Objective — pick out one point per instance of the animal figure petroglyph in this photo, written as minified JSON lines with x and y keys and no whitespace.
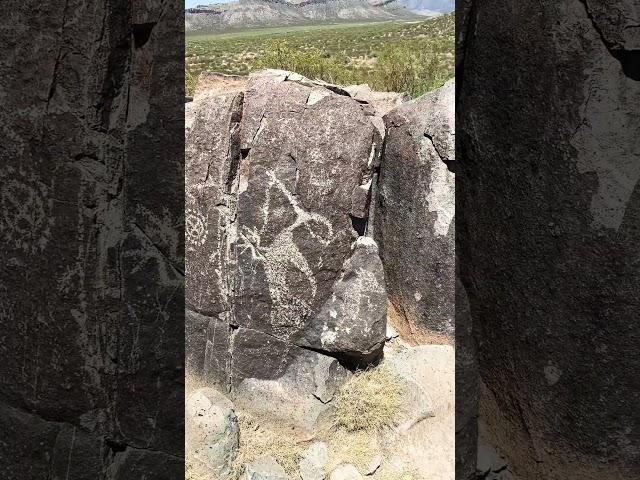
{"x":282,"y":253}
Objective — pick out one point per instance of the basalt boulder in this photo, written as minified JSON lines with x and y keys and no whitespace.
{"x":279,"y":180}
{"x":416,"y":204}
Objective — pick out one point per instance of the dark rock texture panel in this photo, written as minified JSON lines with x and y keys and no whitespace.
{"x":91,"y":188}
{"x":547,"y":222}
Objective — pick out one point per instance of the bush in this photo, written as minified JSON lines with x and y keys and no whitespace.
{"x":398,"y":68}
{"x":311,"y":63}
{"x":402,"y":68}
{"x":370,"y":400}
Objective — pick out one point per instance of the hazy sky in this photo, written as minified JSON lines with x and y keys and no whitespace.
{"x":194,"y":3}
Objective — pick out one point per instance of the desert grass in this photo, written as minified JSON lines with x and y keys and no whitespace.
{"x":257,"y":440}
{"x":368,"y":401}
{"x":357,"y":448}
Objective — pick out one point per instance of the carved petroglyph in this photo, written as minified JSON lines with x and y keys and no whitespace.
{"x":282,"y":254}
{"x":24,"y":223}
{"x":195,"y":229}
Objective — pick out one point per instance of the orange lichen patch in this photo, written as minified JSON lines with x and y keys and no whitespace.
{"x":409,"y":332}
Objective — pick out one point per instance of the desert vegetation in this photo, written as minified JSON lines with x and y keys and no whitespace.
{"x":412,"y":57}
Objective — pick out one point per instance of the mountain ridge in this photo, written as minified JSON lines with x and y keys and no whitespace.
{"x":280,"y":13}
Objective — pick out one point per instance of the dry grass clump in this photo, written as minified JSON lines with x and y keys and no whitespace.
{"x":257,"y":441}
{"x":357,"y":448}
{"x":370,"y":400}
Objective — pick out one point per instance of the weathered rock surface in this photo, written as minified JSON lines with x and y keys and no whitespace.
{"x":346,"y":472}
{"x":353,"y":319}
{"x":211,"y":431}
{"x":91,"y":284}
{"x":555,"y":301}
{"x":314,"y":461}
{"x":424,"y":442}
{"x":298,"y":396}
{"x":416,"y":204}
{"x":278,"y":183}
{"x":467,"y":389}
{"x":264,"y":468}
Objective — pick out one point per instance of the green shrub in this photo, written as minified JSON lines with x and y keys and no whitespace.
{"x":402,"y":68}
{"x":310,"y":62}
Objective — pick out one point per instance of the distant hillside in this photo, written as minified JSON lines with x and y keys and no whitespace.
{"x":429,"y":7}
{"x":274,"y":13}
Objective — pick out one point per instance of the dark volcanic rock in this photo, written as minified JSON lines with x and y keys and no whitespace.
{"x":308,"y":149}
{"x":91,"y":288}
{"x":277,"y":177}
{"x":353,"y":319}
{"x":548,"y":215}
{"x":212,"y":157}
{"x":414,"y":219}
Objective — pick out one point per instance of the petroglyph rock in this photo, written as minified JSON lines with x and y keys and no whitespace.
{"x":212,"y":156}
{"x":353,"y":319}
{"x":415,"y":215}
{"x":305,"y":150}
{"x":279,"y":179}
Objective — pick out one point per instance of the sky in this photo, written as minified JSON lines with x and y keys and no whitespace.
{"x":195,"y":3}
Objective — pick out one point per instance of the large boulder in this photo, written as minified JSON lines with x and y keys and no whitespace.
{"x":550,"y":199}
{"x":352,"y":320}
{"x":279,"y":180}
{"x":306,"y":150}
{"x":416,"y":204}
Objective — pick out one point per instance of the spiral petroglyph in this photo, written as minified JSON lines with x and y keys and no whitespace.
{"x":25,"y":222}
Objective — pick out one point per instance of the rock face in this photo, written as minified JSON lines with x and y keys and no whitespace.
{"x":211,"y":431}
{"x":314,"y":461}
{"x":352,"y":321}
{"x":278,"y":275}
{"x":91,"y":288}
{"x":416,"y":204}
{"x":554,"y":302}
{"x":466,"y":389}
{"x":264,"y":468}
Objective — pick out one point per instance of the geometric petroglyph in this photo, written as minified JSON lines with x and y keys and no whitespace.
{"x":282,"y":254}
{"x":195,"y":229}
{"x":24,"y":221}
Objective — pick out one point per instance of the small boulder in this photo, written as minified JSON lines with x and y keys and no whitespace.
{"x":264,"y":468}
{"x":211,"y":430}
{"x":346,"y":472}
{"x":352,"y":320}
{"x":314,"y":461}
{"x":309,"y":383}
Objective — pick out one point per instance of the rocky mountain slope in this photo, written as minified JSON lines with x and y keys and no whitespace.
{"x":429,"y":7}
{"x":266,"y":13}
{"x":297,"y":233}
